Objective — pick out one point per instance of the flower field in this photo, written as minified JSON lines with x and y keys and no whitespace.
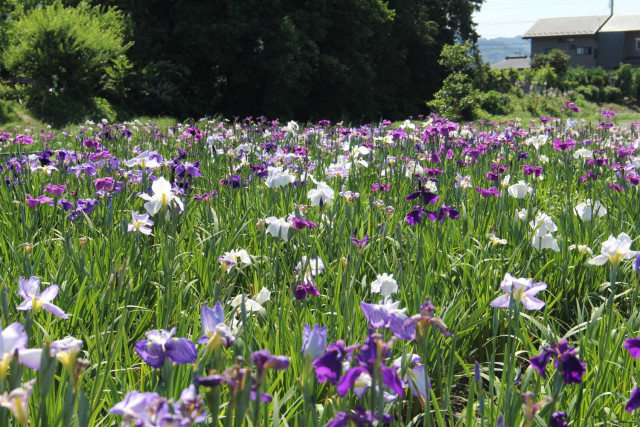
{"x":263,"y":273}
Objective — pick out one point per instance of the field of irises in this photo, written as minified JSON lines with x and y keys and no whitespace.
{"x":252,"y":272}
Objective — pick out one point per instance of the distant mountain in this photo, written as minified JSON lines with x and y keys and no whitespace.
{"x":494,"y":50}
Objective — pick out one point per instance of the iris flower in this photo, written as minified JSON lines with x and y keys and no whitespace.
{"x":34,"y":300}
{"x":614,"y":250}
{"x":17,"y":401}
{"x":13,"y":340}
{"x":163,"y":196}
{"x":215,"y":331}
{"x":566,"y":360}
{"x":385,"y":285}
{"x":314,"y":342}
{"x":140,"y":223}
{"x":522,"y":290}
{"x":161,"y":344}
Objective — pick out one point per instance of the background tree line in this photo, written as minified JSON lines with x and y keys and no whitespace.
{"x":335,"y":59}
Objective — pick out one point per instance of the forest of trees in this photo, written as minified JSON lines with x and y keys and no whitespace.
{"x":333,"y":59}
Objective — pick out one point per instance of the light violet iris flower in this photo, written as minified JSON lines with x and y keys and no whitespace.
{"x":34,"y":300}
{"x":13,"y":340}
{"x":162,"y":344}
{"x":140,"y":223}
{"x":522,"y":290}
{"x":614,"y":250}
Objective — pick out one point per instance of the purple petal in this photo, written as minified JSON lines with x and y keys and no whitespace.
{"x":30,"y":357}
{"x":633,"y":345}
{"x":390,"y":378}
{"x":540,"y":362}
{"x":634,"y":400}
{"x":211,"y":317}
{"x":401,"y":329}
{"x":375,"y":314}
{"x":349,"y":378}
{"x":501,"y":301}
{"x":55,"y":310}
{"x":181,"y":351}
{"x":151,"y":353}
{"x":49,"y":294}
{"x":26,"y":305}
{"x":532,"y":303}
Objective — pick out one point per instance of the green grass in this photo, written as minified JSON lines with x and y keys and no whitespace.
{"x":116,"y":285}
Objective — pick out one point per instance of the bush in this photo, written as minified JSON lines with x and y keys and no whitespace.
{"x":589,"y":92}
{"x":65,"y":53}
{"x":623,"y":79}
{"x":545,"y":76}
{"x":612,"y":94}
{"x":556,"y":59}
{"x":497,"y":103}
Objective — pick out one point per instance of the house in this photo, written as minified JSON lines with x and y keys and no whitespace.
{"x":517,"y":62}
{"x":620,"y":41}
{"x":590,"y":41}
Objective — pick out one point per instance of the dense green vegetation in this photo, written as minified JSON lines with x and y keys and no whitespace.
{"x":335,"y":59}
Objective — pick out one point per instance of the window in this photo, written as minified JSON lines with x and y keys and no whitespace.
{"x":566,"y":39}
{"x":583,"y":51}
{"x":637,"y":43}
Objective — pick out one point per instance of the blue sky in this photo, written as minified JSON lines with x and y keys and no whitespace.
{"x":510,"y":18}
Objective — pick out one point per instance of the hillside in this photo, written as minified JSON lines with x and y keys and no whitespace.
{"x":494,"y":50}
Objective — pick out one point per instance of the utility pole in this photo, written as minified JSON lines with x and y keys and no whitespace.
{"x":611,"y":6}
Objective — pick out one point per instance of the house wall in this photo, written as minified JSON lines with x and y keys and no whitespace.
{"x":541,"y":45}
{"x":629,"y":50}
{"x":610,"y":54}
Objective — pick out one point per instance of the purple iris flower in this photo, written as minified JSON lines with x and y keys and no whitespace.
{"x":566,"y":360}
{"x":205,"y":196}
{"x":360,"y":244}
{"x":558,"y":419}
{"x":56,"y":190}
{"x":493,"y":191}
{"x":140,"y":222}
{"x":441,"y":213}
{"x":188,"y":168}
{"x":314,"y":342}
{"x":413,"y":217}
{"x":328,"y":367}
{"x":215,"y":331}
{"x":34,"y":300}
{"x":425,"y":318}
{"x":360,"y":417}
{"x":633,"y":344}
{"x":33,"y":202}
{"x":161,"y":344}
{"x":264,"y":360}
{"x":386,"y":314}
{"x":370,"y":357}
{"x":425,"y":193}
{"x":104,"y":183}
{"x":634,"y":400}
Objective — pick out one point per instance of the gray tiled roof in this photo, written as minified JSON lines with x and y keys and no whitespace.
{"x":572,"y":26}
{"x":620,"y":23}
{"x":518,"y":63}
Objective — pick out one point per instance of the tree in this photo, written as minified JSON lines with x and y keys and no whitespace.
{"x":556,"y":58}
{"x":457,"y":99}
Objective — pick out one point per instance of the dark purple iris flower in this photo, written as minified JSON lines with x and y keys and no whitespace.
{"x":300,"y":224}
{"x":590,"y":175}
{"x":566,"y":360}
{"x":370,"y":357}
{"x":305,"y":289}
{"x":634,"y":400}
{"x":442,"y":213}
{"x":188,"y":168}
{"x":360,"y":244}
{"x":360,"y":417}
{"x":381,"y":187}
{"x":558,"y":419}
{"x":161,"y":345}
{"x":563,"y":145}
{"x":425,"y":193}
{"x":328,"y":367}
{"x":413,"y":217}
{"x":532,"y":170}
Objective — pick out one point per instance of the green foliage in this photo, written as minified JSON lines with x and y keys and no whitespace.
{"x":545,"y":76}
{"x":68,"y":56}
{"x":590,"y":92}
{"x":496,"y":103}
{"x":556,"y":58}
{"x":612,"y":94}
{"x":623,"y":79}
{"x":458,"y":98}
